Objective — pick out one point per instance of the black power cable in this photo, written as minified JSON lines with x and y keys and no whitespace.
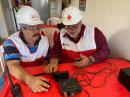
{"x":88,"y":81}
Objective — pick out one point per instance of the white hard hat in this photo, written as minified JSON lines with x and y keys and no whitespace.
{"x":71,"y":15}
{"x":28,"y":15}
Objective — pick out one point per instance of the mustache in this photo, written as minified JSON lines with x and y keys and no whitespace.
{"x":36,"y":35}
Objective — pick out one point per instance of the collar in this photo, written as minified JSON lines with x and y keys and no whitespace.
{"x":75,"y":40}
{"x":23,"y":39}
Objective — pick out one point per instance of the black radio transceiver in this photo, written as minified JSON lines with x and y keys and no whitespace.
{"x":15,"y":88}
{"x":60,"y":75}
{"x":70,"y":86}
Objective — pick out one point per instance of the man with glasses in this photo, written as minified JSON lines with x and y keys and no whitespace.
{"x":27,"y":47}
{"x":76,"y":42}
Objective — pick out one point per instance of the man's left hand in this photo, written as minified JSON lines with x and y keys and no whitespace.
{"x":83,"y":63}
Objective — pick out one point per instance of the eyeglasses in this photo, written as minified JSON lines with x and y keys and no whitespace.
{"x":32,"y":27}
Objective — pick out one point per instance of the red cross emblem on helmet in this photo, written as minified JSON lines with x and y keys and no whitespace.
{"x":69,"y":17}
{"x":34,"y":17}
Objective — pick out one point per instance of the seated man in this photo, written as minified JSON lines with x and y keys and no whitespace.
{"x":77,"y":40}
{"x":27,"y":48}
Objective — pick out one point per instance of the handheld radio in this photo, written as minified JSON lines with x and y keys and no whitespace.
{"x":15,"y":88}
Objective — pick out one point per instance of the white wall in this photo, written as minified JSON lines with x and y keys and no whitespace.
{"x":3,"y":29}
{"x":113,"y":18}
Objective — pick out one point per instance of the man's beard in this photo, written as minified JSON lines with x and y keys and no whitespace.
{"x":73,"y":34}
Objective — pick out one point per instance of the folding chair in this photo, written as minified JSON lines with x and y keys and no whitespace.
{"x":2,"y":66}
{"x":2,"y":57}
{"x":53,"y":21}
{"x":51,"y":32}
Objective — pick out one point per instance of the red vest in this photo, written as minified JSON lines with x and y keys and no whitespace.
{"x":86,"y":45}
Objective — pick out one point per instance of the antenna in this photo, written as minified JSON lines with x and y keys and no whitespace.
{"x":7,"y":70}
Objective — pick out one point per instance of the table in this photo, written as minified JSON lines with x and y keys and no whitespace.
{"x":111,"y":88}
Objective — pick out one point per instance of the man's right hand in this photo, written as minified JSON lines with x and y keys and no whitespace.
{"x":38,"y":84}
{"x":51,"y":68}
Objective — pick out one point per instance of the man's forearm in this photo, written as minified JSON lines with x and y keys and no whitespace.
{"x":18,"y":72}
{"x":101,"y":55}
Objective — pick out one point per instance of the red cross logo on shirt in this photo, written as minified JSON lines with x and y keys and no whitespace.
{"x":69,"y":17}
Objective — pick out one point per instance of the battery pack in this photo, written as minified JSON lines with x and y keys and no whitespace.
{"x":124,"y":77}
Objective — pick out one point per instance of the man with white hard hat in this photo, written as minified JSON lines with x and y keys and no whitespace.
{"x":78,"y":43}
{"x":27,"y":47}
